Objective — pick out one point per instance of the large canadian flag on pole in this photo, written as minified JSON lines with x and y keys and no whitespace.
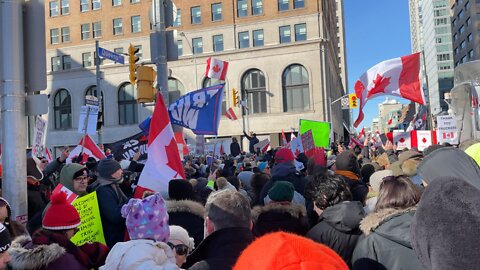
{"x":398,"y":77}
{"x":216,"y":69}
{"x":90,"y":149}
{"x":163,"y":163}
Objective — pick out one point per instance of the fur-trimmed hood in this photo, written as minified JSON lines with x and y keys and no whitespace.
{"x":35,"y":258}
{"x":185,"y":206}
{"x":293,"y":209}
{"x":390,"y":223}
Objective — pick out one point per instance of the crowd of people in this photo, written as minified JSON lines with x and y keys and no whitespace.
{"x":369,"y":207}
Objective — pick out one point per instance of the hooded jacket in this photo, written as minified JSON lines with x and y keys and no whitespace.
{"x":386,"y":244}
{"x":285,"y":171}
{"x":338,"y":228}
{"x":188,"y":215}
{"x":349,"y":170}
{"x":140,"y":254}
{"x":448,"y":162}
{"x":66,"y":176}
{"x":279,"y":217}
{"x":445,"y":228}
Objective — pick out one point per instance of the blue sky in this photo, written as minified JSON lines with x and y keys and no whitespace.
{"x":375,"y":31}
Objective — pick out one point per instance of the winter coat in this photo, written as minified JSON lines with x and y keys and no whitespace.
{"x":113,"y":223}
{"x":279,"y":217}
{"x":386,"y":244}
{"x":36,"y":200}
{"x":141,"y":254}
{"x":235,"y":149}
{"x":220,"y":250}
{"x":338,"y":228}
{"x":188,"y":215}
{"x":284,"y":172}
{"x":251,"y":143}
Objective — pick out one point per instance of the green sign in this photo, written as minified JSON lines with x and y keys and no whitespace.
{"x":91,"y":228}
{"x":320,"y":131}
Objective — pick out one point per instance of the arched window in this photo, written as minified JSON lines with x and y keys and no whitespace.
{"x":127,"y":105}
{"x":175,"y":89}
{"x":296,"y":96}
{"x":92,"y":91}
{"x":62,"y":107}
{"x":254,"y":88}
{"x":209,"y":82}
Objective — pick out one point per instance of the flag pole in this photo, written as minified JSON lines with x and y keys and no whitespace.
{"x":427,"y":102}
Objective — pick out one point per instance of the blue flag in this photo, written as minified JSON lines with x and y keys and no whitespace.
{"x":145,"y":125}
{"x":199,"y":110}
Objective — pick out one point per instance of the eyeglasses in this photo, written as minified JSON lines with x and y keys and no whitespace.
{"x":81,"y":179}
{"x":180,"y":249}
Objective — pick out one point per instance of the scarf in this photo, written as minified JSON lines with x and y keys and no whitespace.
{"x":114,"y":183}
{"x":348,"y":174}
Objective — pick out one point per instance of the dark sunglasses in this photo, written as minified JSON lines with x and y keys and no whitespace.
{"x":180,"y":249}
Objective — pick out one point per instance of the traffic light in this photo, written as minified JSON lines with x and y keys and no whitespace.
{"x":235,"y":98}
{"x":353,"y":101}
{"x":132,"y":59}
{"x":145,"y":78}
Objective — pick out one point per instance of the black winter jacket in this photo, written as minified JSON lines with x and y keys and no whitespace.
{"x":188,"y":215}
{"x":338,"y":228}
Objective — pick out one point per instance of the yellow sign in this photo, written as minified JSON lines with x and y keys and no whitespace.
{"x":91,"y":228}
{"x":353,"y":101}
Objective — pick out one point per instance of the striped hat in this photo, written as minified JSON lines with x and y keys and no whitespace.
{"x":60,"y":215}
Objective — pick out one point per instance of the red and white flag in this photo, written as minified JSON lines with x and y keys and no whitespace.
{"x":421,"y":139}
{"x":163,"y":163}
{"x":284,"y":139}
{"x":70,"y":195}
{"x":361,"y":135}
{"x":216,"y":69}
{"x":230,"y":114}
{"x":296,"y":146}
{"x":398,"y":77}
{"x":48,"y":155}
{"x":402,"y":139}
{"x":90,"y":149}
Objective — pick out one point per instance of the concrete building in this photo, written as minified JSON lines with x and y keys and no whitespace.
{"x":286,"y":58}
{"x":431,"y":32}
{"x":375,"y":124}
{"x":386,"y":110}
{"x":465,"y":31}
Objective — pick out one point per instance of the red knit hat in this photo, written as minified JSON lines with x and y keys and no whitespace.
{"x":280,"y":250}
{"x":284,"y":155}
{"x":60,"y":215}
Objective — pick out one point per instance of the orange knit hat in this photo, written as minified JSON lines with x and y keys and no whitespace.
{"x":285,"y":251}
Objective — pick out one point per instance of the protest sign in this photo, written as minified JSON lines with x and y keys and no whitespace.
{"x":88,"y":120}
{"x":320,"y":131}
{"x":447,"y":129}
{"x":91,"y":228}
{"x":296,"y":146}
{"x":307,"y":141}
{"x":39,"y":136}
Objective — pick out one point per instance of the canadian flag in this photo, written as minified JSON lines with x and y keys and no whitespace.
{"x":216,"y":69}
{"x":361,"y":135}
{"x":230,"y":114}
{"x":390,"y":121}
{"x":402,"y":139}
{"x":421,"y":139}
{"x":284,"y":139}
{"x":398,"y":77}
{"x":296,"y":146}
{"x":90,"y":149}
{"x":70,"y":195}
{"x":163,"y":163}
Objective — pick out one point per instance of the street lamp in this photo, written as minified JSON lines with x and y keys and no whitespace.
{"x":182,"y":34}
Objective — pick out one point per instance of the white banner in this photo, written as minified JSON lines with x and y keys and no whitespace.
{"x":447,"y":129}
{"x":402,"y":139}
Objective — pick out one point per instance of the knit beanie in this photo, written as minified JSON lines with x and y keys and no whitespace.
{"x":376,"y":179}
{"x":147,"y":218}
{"x":180,"y":234}
{"x":5,"y":239}
{"x":70,"y":172}
{"x":60,"y":215}
{"x":281,"y":191}
{"x":180,"y":189}
{"x":281,"y":250}
{"x":284,"y":155}
{"x":346,"y":161}
{"x":106,"y":167}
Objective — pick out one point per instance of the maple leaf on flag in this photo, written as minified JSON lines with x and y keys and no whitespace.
{"x":424,"y":140}
{"x":216,"y":69}
{"x":379,"y":85}
{"x":297,"y":152}
{"x":173,"y":162}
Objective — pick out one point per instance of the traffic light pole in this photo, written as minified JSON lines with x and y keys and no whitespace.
{"x":12,"y":95}
{"x":161,"y":55}
{"x":98,"y":88}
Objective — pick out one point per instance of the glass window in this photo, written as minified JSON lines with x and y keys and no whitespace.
{"x":296,"y":95}
{"x":56,"y":63}
{"x":210,"y":82}
{"x":180,"y":47}
{"x":175,"y":89}
{"x":463,"y":44}
{"x":242,"y":8}
{"x":178,"y":19}
{"x":298,"y":3}
{"x":97,"y":29}
{"x":218,"y":43}
{"x":469,"y":38}
{"x":54,"y":38}
{"x":127,"y":105}
{"x":254,"y":88}
{"x":116,"y":3}
{"x":117,"y":26}
{"x":196,"y":14}
{"x":53,"y":8}
{"x":87,"y":59}
{"x":136,"y":24}
{"x":65,"y":6}
{"x":257,"y":38}
{"x":62,"y":107}
{"x":257,"y":7}
{"x":118,"y":50}
{"x":468,"y":21}
{"x":217,"y":12}
{"x":139,"y":53}
{"x":134,"y":1}
{"x":462,"y":29}
{"x":460,"y":14}
{"x":92,"y":91}
{"x":283,"y":5}
{"x":197,"y":45}
{"x":96,"y":4}
{"x":470,"y":54}
{"x":67,"y":62}
{"x":66,"y":34}
{"x":300,"y":32}
{"x":285,"y":35}
{"x":243,"y":40}
{"x":85,"y":31}
{"x":84,"y":5}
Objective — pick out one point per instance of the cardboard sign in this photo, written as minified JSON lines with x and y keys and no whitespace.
{"x":307,"y":141}
{"x":91,"y":229}
{"x":447,"y":129}
{"x":88,"y":120}
{"x":320,"y":131}
{"x":39,"y":136}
